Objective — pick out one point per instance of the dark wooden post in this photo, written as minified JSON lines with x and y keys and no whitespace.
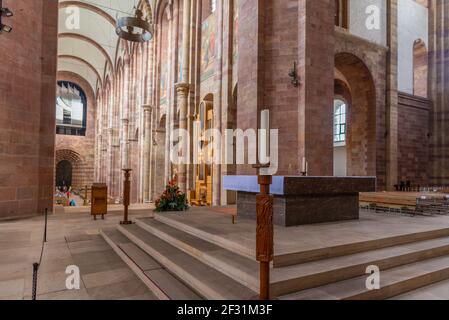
{"x":85,"y":197}
{"x":126,"y":195}
{"x":264,"y":234}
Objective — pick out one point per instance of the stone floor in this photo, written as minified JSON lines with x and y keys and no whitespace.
{"x":73,"y":239}
{"x":438,"y":291}
{"x":371,"y":226}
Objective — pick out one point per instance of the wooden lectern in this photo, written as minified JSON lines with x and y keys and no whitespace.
{"x":99,"y":202}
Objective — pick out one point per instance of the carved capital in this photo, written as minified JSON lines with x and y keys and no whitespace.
{"x":147,"y":108}
{"x":182,"y":88}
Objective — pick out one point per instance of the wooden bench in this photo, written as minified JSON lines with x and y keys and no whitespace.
{"x":410,"y":204}
{"x":394,"y":200}
{"x":232,"y":211}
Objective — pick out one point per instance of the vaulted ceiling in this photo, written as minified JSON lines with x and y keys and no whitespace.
{"x":90,"y":50}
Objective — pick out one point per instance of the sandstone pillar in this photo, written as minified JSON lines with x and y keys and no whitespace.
{"x":303,"y":114}
{"x":316,"y":91}
{"x":125,"y":144}
{"x":439,"y":90}
{"x":392,"y":94}
{"x":183,"y":89}
{"x":147,"y":111}
{"x":110,"y":172}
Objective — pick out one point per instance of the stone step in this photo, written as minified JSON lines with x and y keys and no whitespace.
{"x":218,"y":240}
{"x":163,"y":284}
{"x":207,"y":281}
{"x":356,"y":247}
{"x":295,"y":258}
{"x":235,"y":266}
{"x":393,"y":282}
{"x":308,"y":275}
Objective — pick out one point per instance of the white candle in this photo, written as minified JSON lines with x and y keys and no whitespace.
{"x":264,"y":137}
{"x":304,"y":165}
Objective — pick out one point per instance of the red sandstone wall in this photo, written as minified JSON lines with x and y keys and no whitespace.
{"x":371,"y":135}
{"x":83,"y":147}
{"x":27,"y":108}
{"x":439,"y":91}
{"x":413,"y":141}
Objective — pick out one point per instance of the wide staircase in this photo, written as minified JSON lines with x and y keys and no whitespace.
{"x":179,"y":262}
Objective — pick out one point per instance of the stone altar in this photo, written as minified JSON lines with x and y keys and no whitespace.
{"x":303,"y":200}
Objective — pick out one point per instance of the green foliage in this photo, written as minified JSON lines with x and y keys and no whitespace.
{"x":172,"y":199}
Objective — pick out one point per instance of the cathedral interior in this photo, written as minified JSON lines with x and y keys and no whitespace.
{"x":357,"y":92}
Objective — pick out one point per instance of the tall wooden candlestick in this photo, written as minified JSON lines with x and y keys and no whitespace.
{"x":126,"y":196}
{"x":264,"y":233}
{"x":264,"y":208}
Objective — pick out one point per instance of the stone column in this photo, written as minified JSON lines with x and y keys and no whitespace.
{"x":439,"y":91}
{"x":147,"y":111}
{"x":307,"y":29}
{"x":110,"y":173}
{"x":183,"y":89}
{"x":392,"y":95}
{"x":316,"y":91}
{"x":125,"y":144}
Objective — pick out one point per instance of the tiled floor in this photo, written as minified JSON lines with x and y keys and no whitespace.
{"x":73,"y":239}
{"x":438,"y":291}
{"x":371,"y":226}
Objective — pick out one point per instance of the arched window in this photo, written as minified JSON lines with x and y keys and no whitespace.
{"x":341,"y":13}
{"x":71,"y":108}
{"x":340,"y":111}
{"x":420,"y":68}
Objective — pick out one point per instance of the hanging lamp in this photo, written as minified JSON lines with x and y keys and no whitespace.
{"x":134,"y":29}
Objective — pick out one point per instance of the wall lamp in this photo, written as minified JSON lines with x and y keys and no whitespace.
{"x":5,"y":13}
{"x":293,"y":74}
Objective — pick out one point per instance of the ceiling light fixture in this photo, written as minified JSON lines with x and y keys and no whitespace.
{"x":134,"y":29}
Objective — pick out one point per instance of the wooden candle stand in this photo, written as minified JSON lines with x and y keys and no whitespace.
{"x":264,"y":232}
{"x":126,"y":196}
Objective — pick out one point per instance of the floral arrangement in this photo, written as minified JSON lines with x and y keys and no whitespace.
{"x":172,"y":199}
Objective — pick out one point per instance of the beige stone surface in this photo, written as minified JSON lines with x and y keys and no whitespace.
{"x":73,"y":239}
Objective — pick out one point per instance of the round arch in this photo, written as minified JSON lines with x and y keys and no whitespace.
{"x":420,"y":68}
{"x":358,"y":89}
{"x":76,"y":164}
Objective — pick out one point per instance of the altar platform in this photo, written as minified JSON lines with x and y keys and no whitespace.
{"x":216,"y":258}
{"x":306,"y":241}
{"x":303,"y":200}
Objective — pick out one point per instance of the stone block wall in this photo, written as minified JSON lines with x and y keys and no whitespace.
{"x":27,"y":108}
{"x":414,"y":139}
{"x":79,"y":150}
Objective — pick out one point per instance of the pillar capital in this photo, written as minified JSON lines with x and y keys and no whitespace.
{"x":182,"y":88}
{"x":147,"y":108}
